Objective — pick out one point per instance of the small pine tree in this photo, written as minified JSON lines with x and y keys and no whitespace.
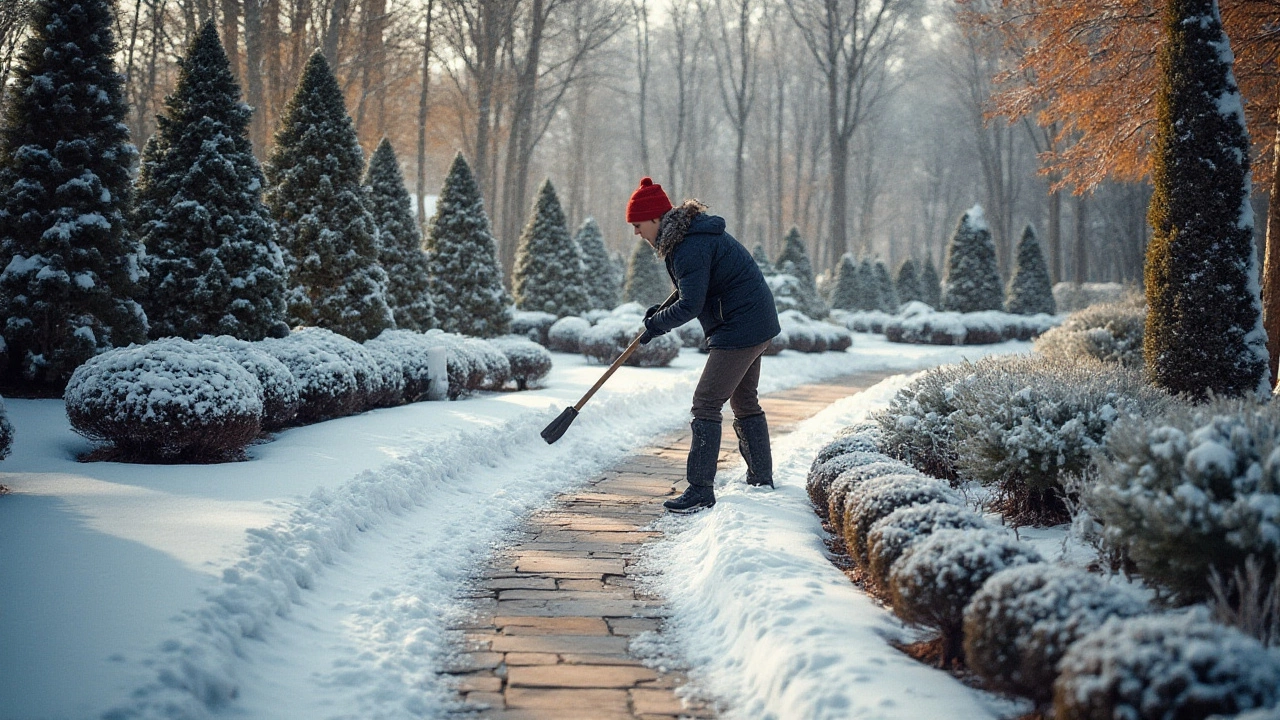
{"x":888,"y":291}
{"x":908,"y":282}
{"x":930,"y":285}
{"x":400,"y":242}
{"x":794,"y":260}
{"x":462,"y":259}
{"x":1204,"y":324}
{"x":844,"y":294}
{"x":973,"y":276}
{"x":601,"y":274}
{"x":762,"y":260}
{"x":70,"y":264}
{"x":1030,"y":291}
{"x":213,"y":264}
{"x":329,"y":236}
{"x":549,"y":274}
{"x":866,"y":295}
{"x":647,"y":281}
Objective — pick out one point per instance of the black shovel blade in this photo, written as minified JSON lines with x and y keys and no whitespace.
{"x":555,"y":430}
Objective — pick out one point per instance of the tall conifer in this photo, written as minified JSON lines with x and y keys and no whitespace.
{"x":888,"y":291}
{"x":213,"y":263}
{"x":549,"y":274}
{"x":844,"y":294}
{"x":866,"y":294}
{"x":602,"y":279}
{"x":400,"y":241}
{"x":328,"y":235}
{"x":647,"y":280}
{"x":69,"y":263}
{"x":1030,"y":290}
{"x":762,"y":260}
{"x":1204,"y":323}
{"x":973,"y":276}
{"x":908,"y":282}
{"x":930,"y":285}
{"x":794,"y":260}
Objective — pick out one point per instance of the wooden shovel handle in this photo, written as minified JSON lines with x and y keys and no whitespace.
{"x":623,"y":357}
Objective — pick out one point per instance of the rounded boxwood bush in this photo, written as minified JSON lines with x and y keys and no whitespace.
{"x":529,"y":361}
{"x":778,"y":343}
{"x":280,"y":397}
{"x":369,"y":376}
{"x":606,"y":341}
{"x":167,"y":401}
{"x":327,"y":385}
{"x":1019,"y":625}
{"x":565,"y":334}
{"x":917,"y":424}
{"x":6,"y":432}
{"x":1177,"y":667}
{"x":532,"y":324}
{"x":933,"y":581}
{"x":891,"y":535}
{"x":859,"y":437}
{"x":800,"y":337}
{"x":821,"y":475}
{"x":494,"y":369}
{"x":387,"y":384}
{"x":466,"y":373}
{"x":876,"y":498}
{"x":844,"y":483}
{"x":410,"y":349}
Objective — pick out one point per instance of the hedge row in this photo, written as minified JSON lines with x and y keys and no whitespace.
{"x":917,"y":323}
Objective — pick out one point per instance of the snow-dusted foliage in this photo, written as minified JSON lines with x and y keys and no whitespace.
{"x":410,"y":350}
{"x":647,"y":281}
{"x":462,"y":259}
{"x":400,"y":242}
{"x":491,"y":363}
{"x":386,"y":387}
{"x":973,"y":276}
{"x":844,"y":289}
{"x":69,"y":266}
{"x":839,"y":489}
{"x":1204,"y":332}
{"x":691,"y":334}
{"x":761,"y":256}
{"x":280,"y":398}
{"x":368,"y":374}
{"x":565,"y":334}
{"x":1164,"y":666}
{"x":532,"y":324}
{"x":823,"y":473}
{"x":327,"y":384}
{"x":170,"y":400}
{"x":860,"y":437}
{"x":1111,"y":332}
{"x":936,"y":577}
{"x":876,"y":498}
{"x":329,"y":237}
{"x":927,"y":328}
{"x":606,"y":340}
{"x":549,"y":274}
{"x":1070,"y":297}
{"x":890,"y":536}
{"x":907,"y":283}
{"x":863,"y":321}
{"x":1019,"y":625}
{"x":603,"y":290}
{"x":1191,"y":490}
{"x":786,"y":290}
{"x":1025,"y":423}
{"x":6,"y":432}
{"x":794,"y":261}
{"x":1030,"y":289}
{"x":930,"y":285}
{"x":918,"y":324}
{"x":529,"y":361}
{"x":917,"y":424}
{"x":888,"y":291}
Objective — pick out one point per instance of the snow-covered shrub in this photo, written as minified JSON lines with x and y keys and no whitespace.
{"x":863,"y":436}
{"x":1111,"y":332}
{"x":1019,"y":625}
{"x":891,"y":535}
{"x":169,"y":400}
{"x":607,"y":339}
{"x":494,"y":370}
{"x":368,"y":374}
{"x":410,"y":348}
{"x":6,"y":432}
{"x":628,"y":310}
{"x":1164,"y":666}
{"x":823,"y":474}
{"x":839,"y":489}
{"x":1070,"y":297}
{"x":327,"y":384}
{"x":280,"y":397}
{"x":942,"y":328}
{"x":1192,"y":490}
{"x":386,"y":387}
{"x":565,"y":334}
{"x":594,"y":316}
{"x":778,"y":343}
{"x":532,"y":324}
{"x":936,"y":577}
{"x":1024,"y":423}
{"x":839,"y":339}
{"x":863,"y":321}
{"x":917,"y":425}
{"x":529,"y":361}
{"x":465,"y":371}
{"x":800,"y":337}
{"x":691,"y":335}
{"x":875,"y":498}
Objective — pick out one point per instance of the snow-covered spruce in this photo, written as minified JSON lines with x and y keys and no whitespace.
{"x":170,"y":400}
{"x":973,"y":276}
{"x":1164,"y":666}
{"x":565,"y":335}
{"x":1030,"y":289}
{"x":327,"y":384}
{"x":328,"y":235}
{"x":6,"y":432}
{"x":761,"y":256}
{"x":1019,"y":625}
{"x":844,"y":291}
{"x":1111,"y":332}
{"x":876,"y":498}
{"x":549,"y":274}
{"x":280,"y":397}
{"x":399,"y":242}
{"x":888,"y":291}
{"x":823,"y":474}
{"x":1191,"y":490}
{"x":606,"y":340}
{"x":930,"y":285}
{"x":529,"y":361}
{"x":890,"y":536}
{"x":917,"y":424}
{"x":647,"y":281}
{"x":868,"y":293}
{"x":849,"y":480}
{"x":935,"y":578}
{"x":603,"y":290}
{"x":532,"y":324}
{"x":794,"y":261}
{"x":907,"y":283}
{"x":387,"y":385}
{"x":410,"y":349}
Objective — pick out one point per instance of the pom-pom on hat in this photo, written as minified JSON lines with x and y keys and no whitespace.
{"x":648,"y":202}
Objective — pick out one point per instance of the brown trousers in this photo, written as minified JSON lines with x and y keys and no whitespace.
{"x":731,"y":375}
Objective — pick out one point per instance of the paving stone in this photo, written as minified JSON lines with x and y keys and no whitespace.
{"x":484,"y":699}
{"x":596,"y":659}
{"x":563,"y":594}
{"x":484,"y":682}
{"x":472,"y":661}
{"x":524,"y":658}
{"x":521,"y":583}
{"x":574,"y":644}
{"x":656,"y":702}
{"x":536,"y":625}
{"x":578,"y":676}
{"x":633,"y":626}
{"x":593,"y":703}
{"x":584,"y":566}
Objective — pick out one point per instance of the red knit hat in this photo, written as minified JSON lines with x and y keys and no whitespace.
{"x":648,"y":202}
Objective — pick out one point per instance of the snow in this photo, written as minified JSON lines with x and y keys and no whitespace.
{"x":318,"y":579}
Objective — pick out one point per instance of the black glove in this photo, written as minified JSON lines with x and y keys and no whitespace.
{"x":646,"y":336}
{"x":650,"y":312}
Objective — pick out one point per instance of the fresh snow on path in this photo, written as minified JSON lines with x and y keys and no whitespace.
{"x":318,"y":579}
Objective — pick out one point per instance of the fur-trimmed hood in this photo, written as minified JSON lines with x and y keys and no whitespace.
{"x":675,"y":225}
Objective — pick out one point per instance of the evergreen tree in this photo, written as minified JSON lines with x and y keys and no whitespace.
{"x":908,"y":282}
{"x":794,"y":260}
{"x":213,"y":263}
{"x":328,"y":235}
{"x":888,"y":291}
{"x":866,"y":295}
{"x":69,"y":264}
{"x":973,"y":276}
{"x":1204,"y":324}
{"x":844,"y":294}
{"x":601,"y":274}
{"x":1030,"y":291}
{"x":400,"y":242}
{"x":549,"y":274}
{"x":647,"y":280}
{"x":462,"y":258}
{"x":930,"y":286}
{"x":762,"y":260}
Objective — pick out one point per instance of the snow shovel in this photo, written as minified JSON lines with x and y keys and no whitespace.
{"x":557,"y":428}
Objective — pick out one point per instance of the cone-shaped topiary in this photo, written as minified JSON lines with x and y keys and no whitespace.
{"x":844,"y":295}
{"x":462,"y":258}
{"x":647,"y":281}
{"x":1204,"y":327}
{"x":762,"y":260}
{"x":400,"y":242}
{"x":930,"y":286}
{"x":549,"y":273}
{"x":973,"y":277}
{"x":328,"y":235}
{"x":866,"y":288}
{"x":907,"y":283}
{"x":888,"y":291}
{"x":1030,"y":291}
{"x":794,"y":260}
{"x":213,"y":263}
{"x":69,"y":265}
{"x":601,"y":279}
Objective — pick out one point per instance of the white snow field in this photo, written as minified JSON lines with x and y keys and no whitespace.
{"x":318,"y":579}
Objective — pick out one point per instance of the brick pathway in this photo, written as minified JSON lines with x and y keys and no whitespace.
{"x":555,"y":612}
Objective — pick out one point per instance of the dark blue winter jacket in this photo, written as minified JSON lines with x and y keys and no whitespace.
{"x":719,"y":283}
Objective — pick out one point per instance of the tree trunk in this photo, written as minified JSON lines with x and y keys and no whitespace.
{"x":420,"y":189}
{"x":1271,"y":262}
{"x":1081,"y":259}
{"x":231,"y":34}
{"x":333,"y":33}
{"x":642,"y":71}
{"x":838,"y":243}
{"x":1055,"y":233}
{"x":254,"y":66}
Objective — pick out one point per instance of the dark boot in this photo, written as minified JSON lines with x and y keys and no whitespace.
{"x":753,"y":443}
{"x":700,"y":471}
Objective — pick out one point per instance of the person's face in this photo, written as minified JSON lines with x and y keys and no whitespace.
{"x":647,"y":230}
